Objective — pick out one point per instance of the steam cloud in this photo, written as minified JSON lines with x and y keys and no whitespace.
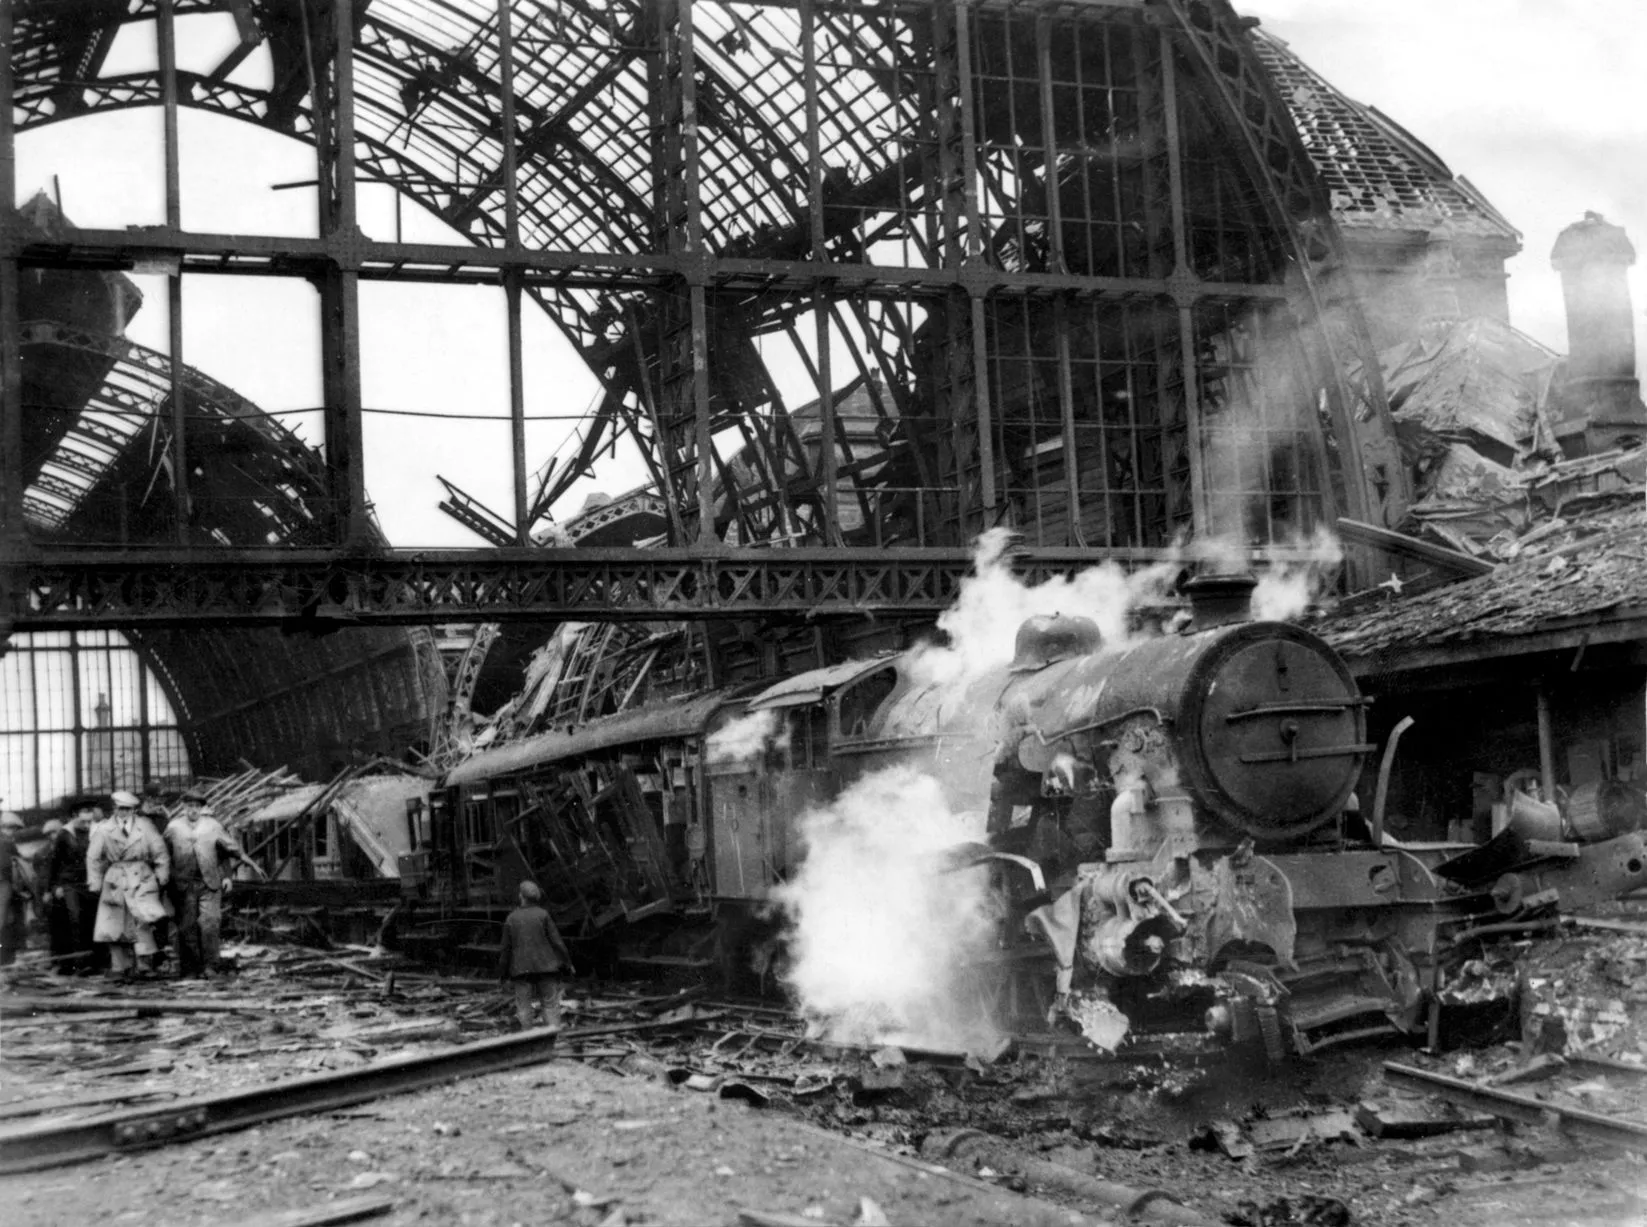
{"x":746,"y":737}
{"x":881,"y":937}
{"x":982,"y":625}
{"x":1287,"y":590}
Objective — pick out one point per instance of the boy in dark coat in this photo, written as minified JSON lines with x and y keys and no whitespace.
{"x":534,"y":957}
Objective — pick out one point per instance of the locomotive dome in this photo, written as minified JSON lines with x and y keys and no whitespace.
{"x":1048,"y":638}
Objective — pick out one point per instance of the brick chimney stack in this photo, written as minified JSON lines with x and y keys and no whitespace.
{"x":1600,"y":397}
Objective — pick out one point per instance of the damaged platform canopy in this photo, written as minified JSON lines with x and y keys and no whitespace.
{"x":655,"y":722}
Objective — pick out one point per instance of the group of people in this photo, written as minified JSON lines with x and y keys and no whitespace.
{"x":111,"y":885}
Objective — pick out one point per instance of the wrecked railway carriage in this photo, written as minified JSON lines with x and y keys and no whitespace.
{"x":1172,"y":829}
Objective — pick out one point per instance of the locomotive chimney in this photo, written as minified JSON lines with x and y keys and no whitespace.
{"x":1599,"y":400}
{"x":1216,"y":600}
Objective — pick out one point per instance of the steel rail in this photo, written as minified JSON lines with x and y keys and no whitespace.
{"x":1614,"y":1130}
{"x":57,"y":1144}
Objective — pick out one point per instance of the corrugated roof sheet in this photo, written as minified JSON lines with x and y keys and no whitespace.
{"x":1481,"y":377}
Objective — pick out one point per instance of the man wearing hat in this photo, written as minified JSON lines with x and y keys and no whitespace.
{"x":126,"y":865}
{"x":195,"y":838}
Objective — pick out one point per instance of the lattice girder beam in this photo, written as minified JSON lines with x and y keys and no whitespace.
{"x":327,"y":590}
{"x":940,"y":199}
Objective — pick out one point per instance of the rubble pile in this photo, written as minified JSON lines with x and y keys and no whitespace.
{"x":1329,"y":1140}
{"x":1479,"y":414}
{"x":1587,"y":993}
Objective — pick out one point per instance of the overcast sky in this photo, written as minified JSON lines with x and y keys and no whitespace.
{"x":1540,"y":105}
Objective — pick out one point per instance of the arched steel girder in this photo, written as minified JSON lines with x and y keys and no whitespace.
{"x":459,"y":96}
{"x":269,"y":693}
{"x":132,"y":404}
{"x":463,"y":93}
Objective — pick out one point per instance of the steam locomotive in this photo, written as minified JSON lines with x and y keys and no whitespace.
{"x":1173,"y":828}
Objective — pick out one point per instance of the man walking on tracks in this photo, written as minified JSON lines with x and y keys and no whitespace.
{"x":126,"y":865}
{"x":195,"y":838}
{"x":534,"y":957}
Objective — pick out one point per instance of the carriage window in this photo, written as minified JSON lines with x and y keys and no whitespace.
{"x":477,"y":822}
{"x":505,"y":806}
{"x":415,"y":833}
{"x":858,"y":702}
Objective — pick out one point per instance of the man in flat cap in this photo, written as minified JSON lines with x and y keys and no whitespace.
{"x":126,"y":865}
{"x":195,"y":839}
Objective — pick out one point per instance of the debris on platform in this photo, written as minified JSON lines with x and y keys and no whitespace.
{"x":1406,"y":1117}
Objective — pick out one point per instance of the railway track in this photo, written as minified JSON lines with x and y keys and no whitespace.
{"x":1563,"y":1091}
{"x":56,"y":1144}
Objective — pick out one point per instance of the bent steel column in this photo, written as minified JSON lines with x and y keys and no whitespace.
{"x":166,"y":38}
{"x":340,"y":283}
{"x":974,"y":259}
{"x":512,"y":280}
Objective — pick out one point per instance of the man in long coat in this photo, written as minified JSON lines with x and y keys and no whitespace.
{"x":196,"y":841}
{"x":126,"y":866}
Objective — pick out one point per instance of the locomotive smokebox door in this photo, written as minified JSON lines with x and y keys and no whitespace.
{"x":1281,"y":731}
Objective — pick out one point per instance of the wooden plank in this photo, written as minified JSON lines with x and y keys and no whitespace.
{"x":14,"y":1006}
{"x":350,"y":1210}
{"x":1411,"y":547}
{"x":63,"y":1020}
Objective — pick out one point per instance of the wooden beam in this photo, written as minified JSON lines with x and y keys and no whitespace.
{"x":1405,"y":546}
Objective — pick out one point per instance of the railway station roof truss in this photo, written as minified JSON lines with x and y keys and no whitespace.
{"x":1072,"y":263}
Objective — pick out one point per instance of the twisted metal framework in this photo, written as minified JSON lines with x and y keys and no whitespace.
{"x":1076,"y":254}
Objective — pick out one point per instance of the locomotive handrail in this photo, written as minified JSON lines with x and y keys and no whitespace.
{"x":1289,"y":756}
{"x":1289,"y":709}
{"x":1383,"y":790}
{"x":1098,"y":724}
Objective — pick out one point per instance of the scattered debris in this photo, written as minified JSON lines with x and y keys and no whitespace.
{"x":1415,"y":1118}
